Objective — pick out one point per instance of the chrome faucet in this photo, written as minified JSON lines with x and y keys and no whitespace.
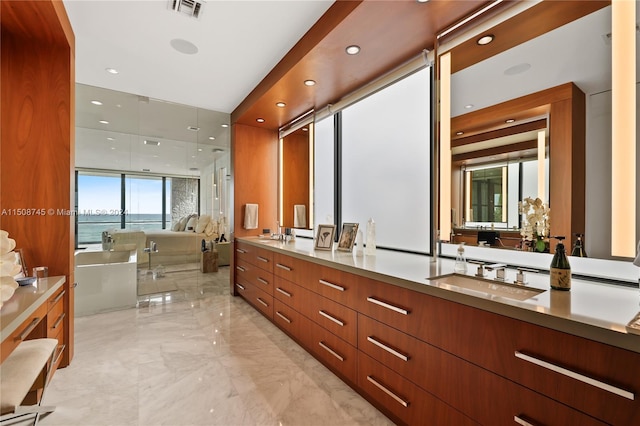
{"x":500,"y":270}
{"x":480,"y":271}
{"x":520,"y":277}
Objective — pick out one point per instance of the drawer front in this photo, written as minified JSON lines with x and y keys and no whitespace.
{"x":592,"y":377}
{"x":55,"y":319}
{"x":406,"y":401}
{"x":244,"y":272}
{"x":247,"y":273}
{"x":289,"y":268}
{"x":245,"y":252}
{"x":31,"y":327}
{"x":292,"y":322}
{"x":331,"y":283}
{"x":338,"y":355}
{"x":264,"y":259}
{"x":406,"y":310}
{"x":337,"y":318}
{"x":291,"y":294}
{"x":256,"y":298}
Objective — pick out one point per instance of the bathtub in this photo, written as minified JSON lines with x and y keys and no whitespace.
{"x":107,"y":281}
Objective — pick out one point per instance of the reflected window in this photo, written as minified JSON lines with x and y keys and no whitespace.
{"x":144,"y":203}
{"x":99,"y":204}
{"x":487,"y":196}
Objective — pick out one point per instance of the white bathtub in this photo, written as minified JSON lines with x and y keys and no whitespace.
{"x":106,"y":280}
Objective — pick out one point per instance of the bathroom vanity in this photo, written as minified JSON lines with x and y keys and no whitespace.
{"x":428,"y":346}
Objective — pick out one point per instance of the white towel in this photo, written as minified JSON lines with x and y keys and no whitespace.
{"x":299,"y":216}
{"x":251,"y":216}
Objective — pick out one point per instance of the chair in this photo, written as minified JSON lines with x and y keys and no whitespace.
{"x":18,"y":373}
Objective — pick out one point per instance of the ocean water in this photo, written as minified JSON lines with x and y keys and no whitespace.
{"x":90,"y":227}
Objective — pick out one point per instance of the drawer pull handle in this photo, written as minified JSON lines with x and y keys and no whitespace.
{"x":29,"y":329}
{"x":331,"y":351}
{"x":387,"y":348}
{"x":333,"y":286}
{"x":241,"y":251}
{"x":283,"y":317}
{"x":58,"y":321}
{"x":58,"y":297}
{"x":241,"y":269}
{"x":263,"y":281}
{"x":263,"y":259}
{"x":60,"y":351}
{"x":240,"y":286}
{"x":388,"y":392}
{"x":262,"y":302}
{"x":521,"y":421}
{"x":331,"y":318}
{"x":286,"y":293}
{"x":286,"y":268}
{"x":388,"y":306}
{"x":577,"y":376}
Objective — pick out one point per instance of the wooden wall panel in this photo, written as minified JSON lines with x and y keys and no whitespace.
{"x":296,"y":176}
{"x":37,"y":139}
{"x":255,"y":177}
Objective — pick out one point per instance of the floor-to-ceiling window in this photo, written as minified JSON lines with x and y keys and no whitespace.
{"x":99,"y":205}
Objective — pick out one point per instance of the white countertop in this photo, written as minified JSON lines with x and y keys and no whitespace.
{"x":592,"y":309}
{"x":25,"y":301}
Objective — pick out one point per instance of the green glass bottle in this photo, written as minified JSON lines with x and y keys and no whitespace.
{"x":560,"y":268}
{"x":578,"y":248}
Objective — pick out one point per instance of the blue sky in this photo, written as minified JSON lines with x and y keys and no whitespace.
{"x":144,"y":196}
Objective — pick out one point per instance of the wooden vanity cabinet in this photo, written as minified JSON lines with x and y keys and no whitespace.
{"x":422,"y":359}
{"x":55,"y":323}
{"x":254,"y":276}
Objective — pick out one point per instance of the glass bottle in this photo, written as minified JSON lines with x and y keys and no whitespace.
{"x":578,"y":248}
{"x":460,"y":266}
{"x":560,"y":268}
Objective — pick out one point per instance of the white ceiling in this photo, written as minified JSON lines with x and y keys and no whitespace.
{"x":159,"y":91}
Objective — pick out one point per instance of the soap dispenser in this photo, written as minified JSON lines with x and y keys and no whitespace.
{"x":578,"y":248}
{"x":460,"y":266}
{"x":560,"y":269}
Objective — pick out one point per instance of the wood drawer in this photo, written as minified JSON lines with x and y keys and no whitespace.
{"x":244,"y":251}
{"x":55,"y":318}
{"x":293,"y":323}
{"x":335,"y":353}
{"x":32,"y":327}
{"x":247,"y":273}
{"x":553,"y":363}
{"x":257,"y":298}
{"x":291,"y":294}
{"x":264,"y":259}
{"x":289,"y":268}
{"x":406,"y":401}
{"x":332,"y":283}
{"x":337,"y":318}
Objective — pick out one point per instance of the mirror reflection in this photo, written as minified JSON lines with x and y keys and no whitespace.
{"x":296,"y":179}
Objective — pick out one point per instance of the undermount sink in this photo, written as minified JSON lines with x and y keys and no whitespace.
{"x":484,"y":287}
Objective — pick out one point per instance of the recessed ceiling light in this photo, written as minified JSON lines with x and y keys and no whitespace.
{"x":485,"y":39}
{"x":111,"y":70}
{"x":113,"y":147}
{"x":193,"y":156}
{"x":304,"y":129}
{"x":280,"y":104}
{"x":184,"y":46}
{"x":103,"y":122}
{"x":352,"y":50}
{"x":217,"y":150}
{"x":421,"y":1}
{"x":193,"y":128}
{"x":199,"y":149}
{"x":469,"y":106}
{"x":309,"y":83}
{"x":511,"y":120}
{"x":96,"y":102}
{"x":459,"y":133}
{"x":260,"y":120}
{"x":212,"y":138}
{"x":111,"y":139}
{"x":225,"y":125}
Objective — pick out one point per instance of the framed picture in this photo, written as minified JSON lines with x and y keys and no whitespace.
{"x":324,"y":237}
{"x":347,"y":236}
{"x":24,"y":272}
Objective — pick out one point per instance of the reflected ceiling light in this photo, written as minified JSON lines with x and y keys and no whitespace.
{"x":280,"y":104}
{"x":113,"y":147}
{"x":96,"y":102}
{"x":193,"y":128}
{"x":103,"y":122}
{"x":309,"y":83}
{"x":212,"y":138}
{"x":459,"y":133}
{"x":111,"y":70}
{"x":199,"y":149}
{"x":260,"y":120}
{"x":217,"y":150}
{"x":510,"y":120}
{"x":111,"y":139}
{"x":352,"y":50}
{"x":304,"y":129}
{"x":225,"y":125}
{"x":469,"y":106}
{"x":485,"y":39}
{"x":421,"y":1}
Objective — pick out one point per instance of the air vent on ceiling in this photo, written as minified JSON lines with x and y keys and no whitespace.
{"x":191,"y":8}
{"x":154,"y":143}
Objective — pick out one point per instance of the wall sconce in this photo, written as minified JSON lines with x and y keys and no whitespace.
{"x":542,"y":150}
{"x":623,"y":129}
{"x":445,"y":146}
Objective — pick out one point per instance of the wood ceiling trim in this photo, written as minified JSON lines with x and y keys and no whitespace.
{"x":494,"y":134}
{"x":389,"y":33}
{"x":47,"y":22}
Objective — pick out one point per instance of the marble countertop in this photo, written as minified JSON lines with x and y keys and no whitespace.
{"x":592,"y":309}
{"x":25,"y":301}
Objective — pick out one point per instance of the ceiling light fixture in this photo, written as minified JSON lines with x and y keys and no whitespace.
{"x":96,"y":102}
{"x":199,"y":149}
{"x":212,"y":138}
{"x":309,"y":83}
{"x":111,"y":70}
{"x":224,"y":125}
{"x":421,"y":1}
{"x":103,"y":122}
{"x":459,"y":133}
{"x":193,"y":128}
{"x":111,"y":139}
{"x":280,"y":104}
{"x":217,"y":150}
{"x":353,"y":49}
{"x":469,"y":106}
{"x":260,"y":120}
{"x":510,"y":120}
{"x":485,"y":39}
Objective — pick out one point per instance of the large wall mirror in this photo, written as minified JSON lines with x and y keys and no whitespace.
{"x":296,"y":178}
{"x":536,"y":116}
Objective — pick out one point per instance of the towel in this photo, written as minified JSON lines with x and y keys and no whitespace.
{"x":251,"y":216}
{"x":299,"y":216}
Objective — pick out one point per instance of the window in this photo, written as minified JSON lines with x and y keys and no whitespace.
{"x":99,"y":205}
{"x":144,"y":202}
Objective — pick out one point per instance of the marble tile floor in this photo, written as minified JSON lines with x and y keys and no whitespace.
{"x":196,"y":356}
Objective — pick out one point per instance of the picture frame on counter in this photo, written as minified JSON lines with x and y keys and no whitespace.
{"x":324,"y":237}
{"x":348,"y":236}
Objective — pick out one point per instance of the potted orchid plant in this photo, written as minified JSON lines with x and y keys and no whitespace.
{"x":536,"y":223}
